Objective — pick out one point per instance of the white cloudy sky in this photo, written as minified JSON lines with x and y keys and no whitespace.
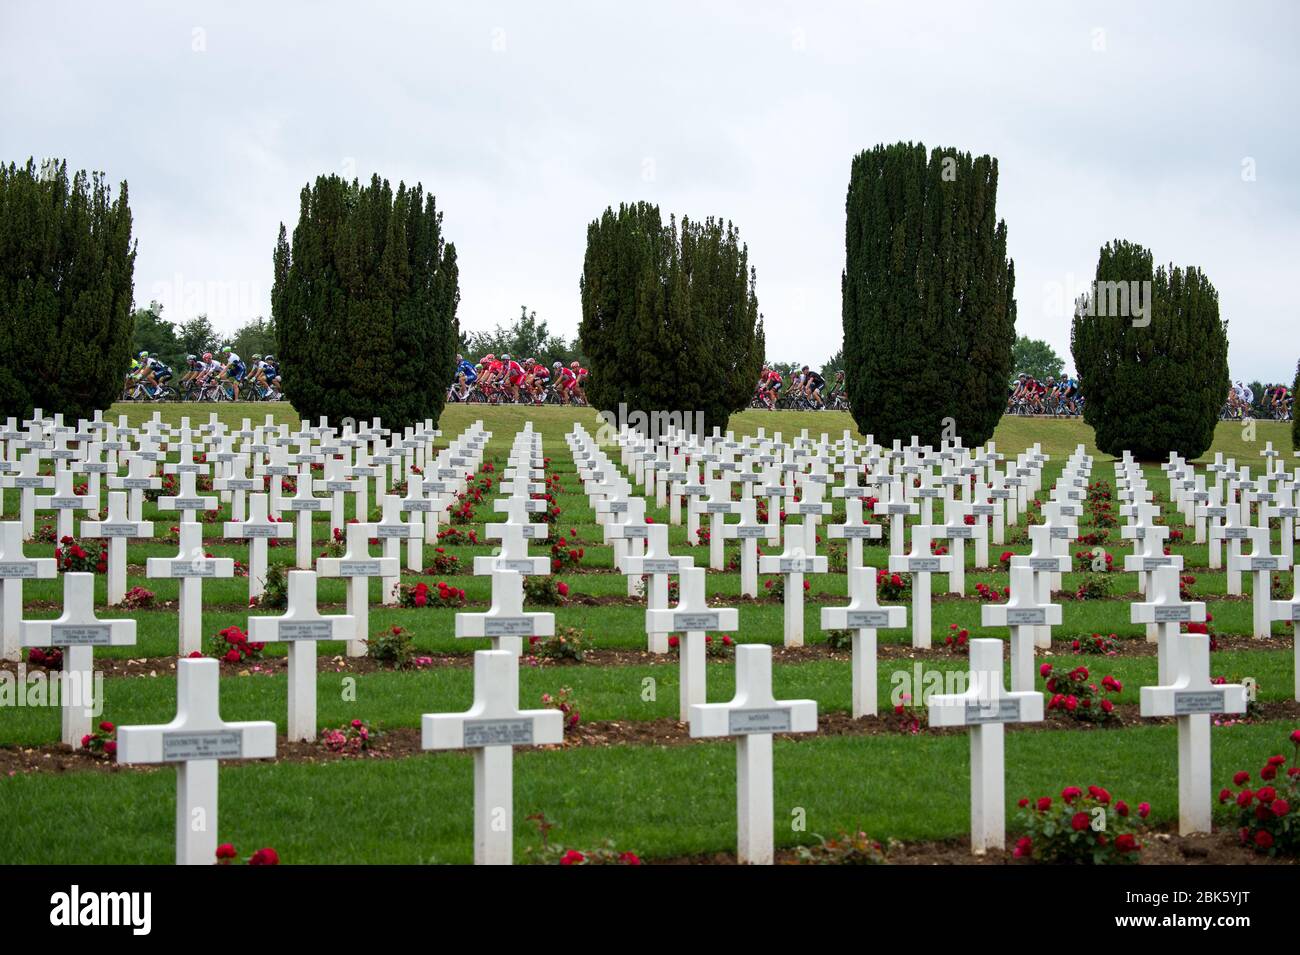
{"x":527,"y":119}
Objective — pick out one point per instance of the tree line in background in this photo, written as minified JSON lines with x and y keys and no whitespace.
{"x":172,"y":341}
{"x":366,"y":291}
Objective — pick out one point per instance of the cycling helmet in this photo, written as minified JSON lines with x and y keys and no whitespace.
{"x":558,"y":364}
{"x":207,"y":356}
{"x":505,"y":357}
{"x":257,"y":358}
{"x":189,"y":358}
{"x":573,"y":364}
{"x":478,"y":367}
{"x":489,"y":357}
{"x":144,"y":355}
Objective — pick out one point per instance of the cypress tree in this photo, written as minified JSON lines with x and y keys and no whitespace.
{"x":929,"y":306}
{"x":1295,"y":421}
{"x":1154,"y":372}
{"x":66,"y":282}
{"x":670,"y":318}
{"x":364,"y":303}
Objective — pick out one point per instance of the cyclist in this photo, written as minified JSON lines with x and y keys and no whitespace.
{"x":582,"y":380}
{"x":210,"y":369}
{"x":492,"y":371}
{"x":193,"y":367}
{"x":463,"y":379}
{"x":233,"y":370}
{"x":538,"y":376}
{"x":566,"y":380}
{"x":154,"y":373}
{"x":813,"y":383}
{"x":271,"y":374}
{"x":837,"y":387}
{"x":513,"y":375}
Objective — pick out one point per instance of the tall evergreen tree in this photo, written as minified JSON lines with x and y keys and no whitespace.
{"x":67,"y":267}
{"x":1295,"y":419}
{"x":928,"y":295}
{"x":670,"y":318}
{"x":364,"y":303}
{"x":1153,"y":365}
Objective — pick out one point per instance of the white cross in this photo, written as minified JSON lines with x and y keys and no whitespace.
{"x":864,"y":616}
{"x":64,"y":500}
{"x":506,"y":621}
{"x":237,"y":484}
{"x":117,"y":527}
{"x":921,"y":563}
{"x":301,"y":626}
{"x":752,"y":716}
{"x":748,"y":530}
{"x":692,"y":617}
{"x":1262,"y":563}
{"x":257,"y":530}
{"x":985,"y":706}
{"x":304,"y":503}
{"x":897,"y":509}
{"x":358,"y":566}
{"x":195,"y":740}
{"x":1022,"y":613}
{"x":1192,"y":698}
{"x":1044,"y":565}
{"x":956,"y":531}
{"x":798,"y":558}
{"x":78,"y":631}
{"x":492,"y":727}
{"x":1234,"y":532}
{"x":658,"y":564}
{"x":15,"y":567}
{"x":1287,"y":610}
{"x":187,"y":500}
{"x":29,"y":481}
{"x":1165,"y":611}
{"x":191,"y":565}
{"x":718,"y":505}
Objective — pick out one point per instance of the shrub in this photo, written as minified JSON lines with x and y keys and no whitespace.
{"x":563,"y":701}
{"x":548,"y":853}
{"x":232,"y":646}
{"x":1266,"y":817}
{"x":137,"y":598}
{"x":568,"y":643}
{"x":393,"y":648}
{"x":102,"y":741}
{"x":847,"y":848}
{"x":1096,"y":644}
{"x":545,"y":591}
{"x":275,"y":589}
{"x":1083,"y":828}
{"x":1076,"y":696}
{"x":351,"y":740}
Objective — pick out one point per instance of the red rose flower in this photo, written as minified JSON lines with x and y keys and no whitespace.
{"x":1125,"y":842}
{"x":562,"y":588}
{"x":1264,"y":839}
{"x":1071,"y":793}
{"x":1079,"y":821}
{"x":1144,"y":809}
{"x":572,"y":857}
{"x":225,"y":851}
{"x":1044,"y":803}
{"x":265,"y":857}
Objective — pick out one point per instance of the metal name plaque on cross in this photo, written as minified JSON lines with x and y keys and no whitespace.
{"x":305,"y":504}
{"x":858,"y":619}
{"x":420,"y":504}
{"x":29,"y":482}
{"x":1263,"y":563}
{"x":359,"y":568}
{"x":508,"y":626}
{"x":306,"y":629}
{"x":667,"y":565}
{"x":190,"y":503}
{"x":1152,"y":563}
{"x":522,"y":566}
{"x":240,"y":484}
{"x":695,"y":621}
{"x":336,"y":486}
{"x":758,"y":531}
{"x":811,"y":508}
{"x":393,"y":530}
{"x":80,"y":635}
{"x":860,"y":530}
{"x":117,"y":530}
{"x":900,"y":508}
{"x":1060,"y":533}
{"x":180,"y":747}
{"x":67,"y":503}
{"x":1041,"y":564}
{"x":260,"y":530}
{"x":1026,"y":616}
{"x":518,"y":732}
{"x":193,"y":568}
{"x":1003,"y":711}
{"x":1173,"y":614}
{"x":1198,"y":701}
{"x":959,"y":530}
{"x":795,"y":565}
{"x":18,"y":568}
{"x":923,"y":564}
{"x":774,"y":719}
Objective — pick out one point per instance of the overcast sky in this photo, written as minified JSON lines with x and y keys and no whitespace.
{"x":1172,"y":125}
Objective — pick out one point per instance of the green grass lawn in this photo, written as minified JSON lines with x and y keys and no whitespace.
{"x":659,"y":801}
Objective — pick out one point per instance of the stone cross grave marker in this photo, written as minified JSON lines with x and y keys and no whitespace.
{"x":15,"y":567}
{"x":191,"y":566}
{"x":77,"y":631}
{"x":1192,"y":698}
{"x":752,"y":716}
{"x":358,"y":567}
{"x":921,"y":563}
{"x":492,"y":727}
{"x":1023,"y":613}
{"x":692,"y":617}
{"x":195,"y":741}
{"x":985,"y":707}
{"x":863,"y":616}
{"x":117,"y":528}
{"x":301,"y":626}
{"x":506,"y":622}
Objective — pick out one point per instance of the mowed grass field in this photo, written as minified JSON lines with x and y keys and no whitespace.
{"x":658,"y":800}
